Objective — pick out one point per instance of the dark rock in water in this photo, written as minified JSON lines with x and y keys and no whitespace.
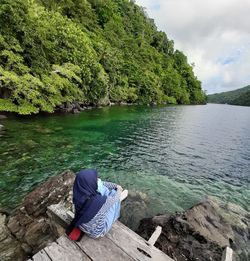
{"x":28,"y":229}
{"x":202,"y":232}
{"x":75,"y":107}
{"x":42,"y":130}
{"x":134,"y":208}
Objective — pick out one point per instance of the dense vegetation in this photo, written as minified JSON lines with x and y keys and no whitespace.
{"x":236,"y":97}
{"x":55,"y":52}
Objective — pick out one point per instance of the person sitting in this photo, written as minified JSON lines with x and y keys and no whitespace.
{"x":97,"y":205}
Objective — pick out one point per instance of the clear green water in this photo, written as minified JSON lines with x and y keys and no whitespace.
{"x":170,"y":156}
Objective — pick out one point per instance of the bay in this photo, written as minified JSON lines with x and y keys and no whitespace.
{"x":172,"y":157}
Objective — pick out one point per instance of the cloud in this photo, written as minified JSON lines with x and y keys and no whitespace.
{"x":214,"y":34}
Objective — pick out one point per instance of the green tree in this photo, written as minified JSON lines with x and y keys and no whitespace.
{"x":55,"y":52}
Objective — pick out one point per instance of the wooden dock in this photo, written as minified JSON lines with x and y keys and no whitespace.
{"x":121,"y":243}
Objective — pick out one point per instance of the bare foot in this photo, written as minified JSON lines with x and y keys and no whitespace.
{"x":124,"y":194}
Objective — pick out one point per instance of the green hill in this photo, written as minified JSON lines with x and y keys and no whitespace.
{"x":56,"y":52}
{"x":237,"y":97}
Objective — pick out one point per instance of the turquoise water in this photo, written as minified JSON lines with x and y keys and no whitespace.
{"x":168,"y":157}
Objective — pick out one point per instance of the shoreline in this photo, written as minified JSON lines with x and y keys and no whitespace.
{"x":204,"y":229}
{"x":75,"y":108}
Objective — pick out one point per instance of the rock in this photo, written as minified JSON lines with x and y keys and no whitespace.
{"x":28,"y":229}
{"x":38,"y":233}
{"x":10,"y":248}
{"x":103,"y":102}
{"x":31,"y":143}
{"x":1,"y":127}
{"x":2,"y":117}
{"x":36,"y":202}
{"x":123,"y":103}
{"x":202,"y":231}
{"x":68,"y":107}
{"x":43,"y":130}
{"x":75,"y":107}
{"x":206,"y":220}
{"x":3,"y":232}
{"x":75,"y":111}
{"x":134,"y":208}
{"x":13,"y":225}
{"x":26,"y":248}
{"x":199,"y":233}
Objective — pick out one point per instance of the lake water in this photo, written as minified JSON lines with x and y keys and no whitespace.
{"x":168,"y":157}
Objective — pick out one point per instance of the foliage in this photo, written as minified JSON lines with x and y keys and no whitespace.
{"x":237,"y":97}
{"x":61,"y":51}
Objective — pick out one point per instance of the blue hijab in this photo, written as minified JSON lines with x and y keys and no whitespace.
{"x":86,"y":199}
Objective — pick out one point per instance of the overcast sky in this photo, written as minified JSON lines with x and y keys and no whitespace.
{"x":214,"y":34}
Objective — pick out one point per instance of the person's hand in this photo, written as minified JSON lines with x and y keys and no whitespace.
{"x":119,"y":187}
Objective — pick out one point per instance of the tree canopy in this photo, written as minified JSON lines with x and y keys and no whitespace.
{"x":54,"y":52}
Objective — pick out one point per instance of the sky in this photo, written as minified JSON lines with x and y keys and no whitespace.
{"x":214,"y":34}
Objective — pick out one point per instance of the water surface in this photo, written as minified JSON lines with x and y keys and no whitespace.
{"x":171,"y":156}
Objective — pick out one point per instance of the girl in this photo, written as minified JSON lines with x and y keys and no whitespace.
{"x":97,"y":205}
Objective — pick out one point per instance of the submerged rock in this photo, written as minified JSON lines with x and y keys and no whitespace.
{"x":1,"y":127}
{"x":134,"y":208}
{"x":202,"y":232}
{"x":2,"y":117}
{"x":31,"y":143}
{"x":28,"y":229}
{"x":43,"y":130}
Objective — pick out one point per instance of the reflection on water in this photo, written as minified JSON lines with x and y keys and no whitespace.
{"x":172,"y":155}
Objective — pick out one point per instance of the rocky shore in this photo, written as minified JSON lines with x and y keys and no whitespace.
{"x":199,"y":233}
{"x":76,"y":107}
{"x":28,"y":229}
{"x":202,"y":232}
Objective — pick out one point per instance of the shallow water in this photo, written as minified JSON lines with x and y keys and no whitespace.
{"x":170,"y":156}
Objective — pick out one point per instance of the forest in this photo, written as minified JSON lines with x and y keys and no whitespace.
{"x":92,"y":52}
{"x":236,"y":97}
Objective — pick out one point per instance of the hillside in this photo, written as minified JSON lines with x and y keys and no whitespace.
{"x":237,"y":97}
{"x":91,"y":52}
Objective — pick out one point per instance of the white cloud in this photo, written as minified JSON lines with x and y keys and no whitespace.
{"x":214,"y":34}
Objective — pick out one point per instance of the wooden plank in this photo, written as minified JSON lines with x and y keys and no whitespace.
{"x":102,"y":249}
{"x":95,"y":248}
{"x":64,"y":249}
{"x":40,"y":256}
{"x":155,"y":235}
{"x":120,"y":236}
{"x":227,"y":254}
{"x":134,"y":245}
{"x":119,"y":225}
